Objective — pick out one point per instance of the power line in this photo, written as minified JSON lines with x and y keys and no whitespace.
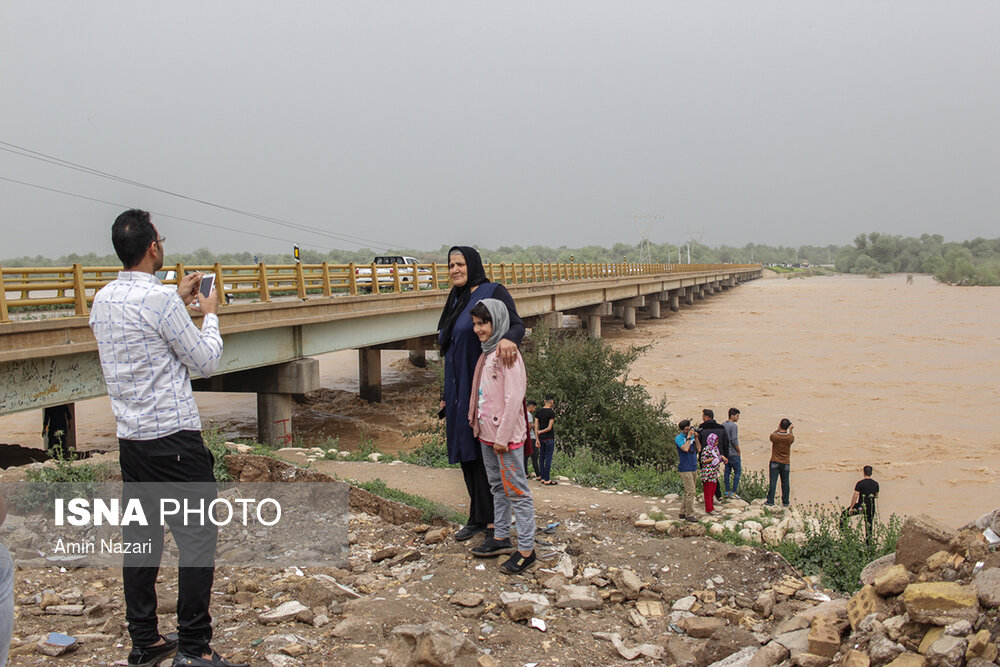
{"x":156,"y":213}
{"x":43,"y":157}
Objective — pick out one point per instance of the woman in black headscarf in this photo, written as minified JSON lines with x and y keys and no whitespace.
{"x":461,"y":349}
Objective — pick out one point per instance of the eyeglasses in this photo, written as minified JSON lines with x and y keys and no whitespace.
{"x":161,"y":239}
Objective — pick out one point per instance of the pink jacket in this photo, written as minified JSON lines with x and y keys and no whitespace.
{"x":496,"y":406}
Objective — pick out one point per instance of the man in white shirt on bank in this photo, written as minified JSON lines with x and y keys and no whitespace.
{"x":149,"y":347}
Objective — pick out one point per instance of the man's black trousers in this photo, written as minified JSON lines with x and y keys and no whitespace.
{"x":183,"y":462}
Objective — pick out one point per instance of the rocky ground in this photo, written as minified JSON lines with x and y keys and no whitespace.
{"x":612,"y":588}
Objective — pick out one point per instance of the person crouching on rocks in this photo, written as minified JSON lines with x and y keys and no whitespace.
{"x":496,"y":414}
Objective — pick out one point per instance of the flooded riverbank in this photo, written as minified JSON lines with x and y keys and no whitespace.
{"x":904,"y":377}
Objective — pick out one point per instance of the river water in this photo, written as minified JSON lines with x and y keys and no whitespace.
{"x":904,"y":377}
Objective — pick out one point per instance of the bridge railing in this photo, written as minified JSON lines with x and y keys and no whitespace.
{"x":67,"y":291}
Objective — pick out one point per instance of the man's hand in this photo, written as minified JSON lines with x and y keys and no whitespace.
{"x":508,"y":352}
{"x":209,"y":304}
{"x":187,"y":287}
{"x":499,"y":448}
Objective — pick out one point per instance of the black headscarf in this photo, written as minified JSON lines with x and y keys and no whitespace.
{"x":458,"y":298}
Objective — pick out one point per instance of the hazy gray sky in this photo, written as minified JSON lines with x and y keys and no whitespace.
{"x":417,"y":124}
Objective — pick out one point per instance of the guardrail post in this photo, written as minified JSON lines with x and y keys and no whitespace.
{"x":220,"y":287}
{"x":396,"y":286}
{"x":434,"y":276}
{"x":79,"y":292}
{"x":352,"y":279}
{"x":3,"y":298}
{"x":326,"y":280}
{"x":300,"y":280}
{"x":263,"y":291}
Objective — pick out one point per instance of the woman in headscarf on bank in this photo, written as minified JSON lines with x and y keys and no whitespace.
{"x":461,"y":348}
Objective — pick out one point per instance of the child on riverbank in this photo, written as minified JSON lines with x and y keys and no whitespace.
{"x":496,"y":414}
{"x":710,"y":461}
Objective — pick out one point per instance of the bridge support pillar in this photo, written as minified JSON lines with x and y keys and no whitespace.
{"x":653,"y":308}
{"x":552,"y":320}
{"x":370,"y":374}
{"x":629,"y":317}
{"x":593,"y":324}
{"x":716,"y":287}
{"x":675,"y":300}
{"x":275,"y":386}
{"x":629,"y":310}
{"x":274,"y":419}
{"x":590,"y":317}
{"x":417,"y":355}
{"x":689,"y":295}
{"x":618,"y":311}
{"x":418,"y":358}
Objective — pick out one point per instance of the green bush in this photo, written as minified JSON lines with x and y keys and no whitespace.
{"x":589,"y":468}
{"x":596,"y":405}
{"x":837,"y":551}
{"x":433,"y":452}
{"x":753,"y":484}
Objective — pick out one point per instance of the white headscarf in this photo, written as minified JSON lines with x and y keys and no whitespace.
{"x":501,"y":323}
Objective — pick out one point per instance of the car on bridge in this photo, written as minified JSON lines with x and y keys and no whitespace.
{"x":388,"y":266}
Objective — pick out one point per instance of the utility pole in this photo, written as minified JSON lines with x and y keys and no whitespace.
{"x":645,"y":254}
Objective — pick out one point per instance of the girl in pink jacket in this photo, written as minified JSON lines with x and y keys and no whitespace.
{"x":496,"y":414}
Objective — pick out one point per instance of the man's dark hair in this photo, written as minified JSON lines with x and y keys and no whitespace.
{"x":532,"y":403}
{"x":784,"y":424}
{"x":867,"y":470}
{"x":550,"y":397}
{"x":482,"y":312}
{"x":684,"y":424}
{"x":131,"y":234}
{"x":733,"y":412}
{"x":708,"y":412}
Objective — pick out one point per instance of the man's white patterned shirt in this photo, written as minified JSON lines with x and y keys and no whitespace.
{"x":149,"y":347}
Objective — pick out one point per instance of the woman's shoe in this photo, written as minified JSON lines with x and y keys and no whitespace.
{"x":493,"y":547}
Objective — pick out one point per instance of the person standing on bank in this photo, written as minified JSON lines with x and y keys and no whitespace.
{"x":496,"y":416}
{"x":461,"y":350}
{"x":687,"y":465}
{"x":148,"y":348}
{"x":734,"y":465}
{"x":545,"y":431}
{"x":781,"y":462}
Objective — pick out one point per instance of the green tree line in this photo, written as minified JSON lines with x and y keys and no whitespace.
{"x":975,"y":262}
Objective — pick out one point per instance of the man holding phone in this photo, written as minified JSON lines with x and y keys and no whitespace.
{"x":781,"y":462}
{"x":149,"y":347}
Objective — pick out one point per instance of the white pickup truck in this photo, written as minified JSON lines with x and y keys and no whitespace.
{"x":387,"y":265}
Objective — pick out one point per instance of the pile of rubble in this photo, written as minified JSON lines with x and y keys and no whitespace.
{"x":752,"y":521}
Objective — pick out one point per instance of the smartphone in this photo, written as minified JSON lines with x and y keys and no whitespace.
{"x":207,"y":283}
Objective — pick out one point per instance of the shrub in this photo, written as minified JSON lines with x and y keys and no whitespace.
{"x":589,"y":468}
{"x":753,"y":484}
{"x":835,"y":550}
{"x":596,"y":405}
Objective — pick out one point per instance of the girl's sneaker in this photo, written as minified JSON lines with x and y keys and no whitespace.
{"x":517,"y":563}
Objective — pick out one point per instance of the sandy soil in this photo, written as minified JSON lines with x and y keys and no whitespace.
{"x":904,"y":377}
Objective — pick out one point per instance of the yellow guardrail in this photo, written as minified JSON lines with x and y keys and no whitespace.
{"x":38,"y":288}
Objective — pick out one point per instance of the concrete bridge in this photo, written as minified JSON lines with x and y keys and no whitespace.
{"x":269,"y":338}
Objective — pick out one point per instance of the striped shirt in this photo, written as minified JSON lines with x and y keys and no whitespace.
{"x":149,"y":347}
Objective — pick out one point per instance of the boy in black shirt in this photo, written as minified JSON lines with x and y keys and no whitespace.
{"x":865,"y":493}
{"x":545,"y":422}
